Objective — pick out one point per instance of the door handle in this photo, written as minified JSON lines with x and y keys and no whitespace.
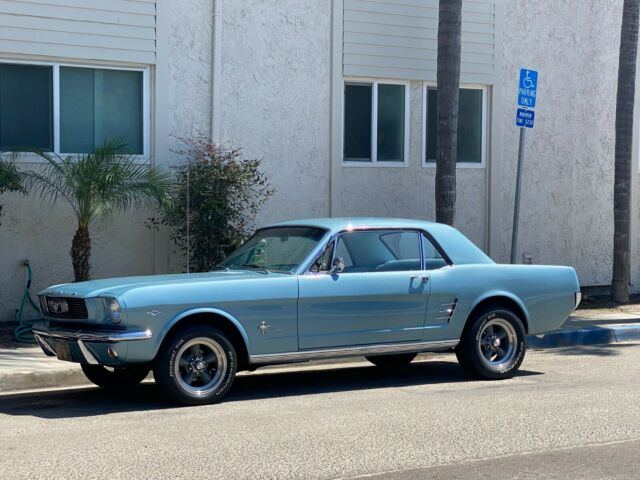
{"x":422,"y":278}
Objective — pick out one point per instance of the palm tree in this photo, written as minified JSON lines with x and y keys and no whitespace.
{"x":624,"y":136}
{"x":95,"y":185}
{"x":448,"y":78}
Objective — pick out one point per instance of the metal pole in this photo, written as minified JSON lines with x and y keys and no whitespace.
{"x":516,"y":207}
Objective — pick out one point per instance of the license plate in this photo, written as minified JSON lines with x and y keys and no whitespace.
{"x":62,"y":350}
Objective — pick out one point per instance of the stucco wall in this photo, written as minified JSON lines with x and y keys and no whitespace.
{"x":566,"y":209}
{"x":275,"y":88}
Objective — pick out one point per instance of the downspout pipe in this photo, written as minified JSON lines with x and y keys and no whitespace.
{"x":216,"y":67}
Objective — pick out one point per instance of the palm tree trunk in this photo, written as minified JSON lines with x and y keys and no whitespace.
{"x":624,"y":138}
{"x":81,"y":253}
{"x":448,"y":77}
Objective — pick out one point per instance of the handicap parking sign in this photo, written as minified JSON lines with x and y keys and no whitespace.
{"x":527,"y":88}
{"x":525,"y":118}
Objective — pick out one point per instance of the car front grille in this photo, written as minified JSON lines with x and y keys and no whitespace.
{"x":77,"y":309}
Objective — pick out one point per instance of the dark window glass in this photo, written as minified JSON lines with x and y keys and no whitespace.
{"x":26,"y":107}
{"x":379,"y":251}
{"x":99,"y":104}
{"x":469,"y":125}
{"x":391,"y":103}
{"x":357,"y":122}
{"x":432,"y":257}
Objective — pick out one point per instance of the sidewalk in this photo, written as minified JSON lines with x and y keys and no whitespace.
{"x":28,"y":368}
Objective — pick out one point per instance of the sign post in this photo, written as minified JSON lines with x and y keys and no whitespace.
{"x":527,"y":92}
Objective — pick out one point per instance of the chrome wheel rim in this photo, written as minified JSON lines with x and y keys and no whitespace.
{"x":497,"y":343}
{"x":200,"y":366}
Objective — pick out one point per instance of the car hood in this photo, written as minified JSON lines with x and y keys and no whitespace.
{"x":117,"y":286}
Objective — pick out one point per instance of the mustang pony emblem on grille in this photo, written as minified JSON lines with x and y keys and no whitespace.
{"x":58,"y":306}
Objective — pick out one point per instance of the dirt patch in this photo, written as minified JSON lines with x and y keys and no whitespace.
{"x":7,"y":339}
{"x":603,"y":304}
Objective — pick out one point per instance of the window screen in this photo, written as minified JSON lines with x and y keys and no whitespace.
{"x":100,"y":104}
{"x":357,"y":122}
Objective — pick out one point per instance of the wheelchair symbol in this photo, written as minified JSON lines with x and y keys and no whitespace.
{"x":527,"y":82}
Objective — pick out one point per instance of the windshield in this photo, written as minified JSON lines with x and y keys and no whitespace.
{"x":279,"y":249}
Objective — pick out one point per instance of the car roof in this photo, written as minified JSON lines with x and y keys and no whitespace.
{"x":345,"y":223}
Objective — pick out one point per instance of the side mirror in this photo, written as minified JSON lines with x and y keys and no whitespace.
{"x":337,"y":266}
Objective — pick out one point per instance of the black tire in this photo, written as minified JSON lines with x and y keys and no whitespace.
{"x":392,"y":361}
{"x":116,"y":378}
{"x":196,"y":365}
{"x":493,"y":345}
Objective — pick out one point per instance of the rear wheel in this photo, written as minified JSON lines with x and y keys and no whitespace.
{"x":115,"y":378}
{"x":494,"y":345}
{"x":392,"y":361}
{"x":196,"y":366}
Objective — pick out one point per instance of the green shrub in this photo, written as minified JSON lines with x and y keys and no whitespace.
{"x":10,"y":179}
{"x":225,"y":193}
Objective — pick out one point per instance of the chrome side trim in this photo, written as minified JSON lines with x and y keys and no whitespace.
{"x":351,"y":351}
{"x":87,"y":336}
{"x":88,"y":356}
{"x":46,"y":348}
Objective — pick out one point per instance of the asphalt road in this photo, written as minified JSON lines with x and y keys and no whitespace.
{"x":572,"y":413}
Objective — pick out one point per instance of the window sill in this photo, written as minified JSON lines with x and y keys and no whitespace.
{"x":32,"y":158}
{"x":463,"y":165}
{"x":375,"y":164}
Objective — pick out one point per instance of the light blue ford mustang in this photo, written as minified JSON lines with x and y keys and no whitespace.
{"x":386,"y":289}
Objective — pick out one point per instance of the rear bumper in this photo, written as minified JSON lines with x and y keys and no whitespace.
{"x":86,"y":340}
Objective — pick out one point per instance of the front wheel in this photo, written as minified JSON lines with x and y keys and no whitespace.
{"x":196,"y":366}
{"x":115,"y":378}
{"x":494,"y":345}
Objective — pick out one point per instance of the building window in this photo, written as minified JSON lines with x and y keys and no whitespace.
{"x":375,"y":122}
{"x":71,"y":109}
{"x":471,"y":125}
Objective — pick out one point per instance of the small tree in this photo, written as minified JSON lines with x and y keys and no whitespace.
{"x":216,"y":197}
{"x":10,"y":180}
{"x":95,"y":185}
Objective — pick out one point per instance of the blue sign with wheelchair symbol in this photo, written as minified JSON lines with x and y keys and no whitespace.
{"x":527,"y":88}
{"x":525,"y":118}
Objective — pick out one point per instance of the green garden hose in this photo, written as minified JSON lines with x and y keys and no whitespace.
{"x":22,"y":332}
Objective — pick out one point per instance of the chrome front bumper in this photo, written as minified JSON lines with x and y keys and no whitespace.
{"x":43,"y":335}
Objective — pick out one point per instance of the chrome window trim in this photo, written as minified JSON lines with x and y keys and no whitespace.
{"x":352,"y":351}
{"x":334,"y":236}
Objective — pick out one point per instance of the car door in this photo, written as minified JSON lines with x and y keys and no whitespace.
{"x":379,"y":297}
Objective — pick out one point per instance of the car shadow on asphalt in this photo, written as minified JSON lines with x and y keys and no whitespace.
{"x":92,"y":401}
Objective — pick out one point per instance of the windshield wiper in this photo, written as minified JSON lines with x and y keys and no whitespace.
{"x":253,"y":266}
{"x":219,"y":267}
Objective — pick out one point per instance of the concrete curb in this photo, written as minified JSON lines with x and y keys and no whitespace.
{"x":595,"y":335}
{"x":32,"y":380}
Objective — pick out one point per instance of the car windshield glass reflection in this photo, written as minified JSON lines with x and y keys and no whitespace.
{"x":280,"y":249}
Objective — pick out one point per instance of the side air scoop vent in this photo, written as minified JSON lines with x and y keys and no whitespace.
{"x":446,"y":311}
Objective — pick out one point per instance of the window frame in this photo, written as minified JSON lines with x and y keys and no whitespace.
{"x":374,"y":82}
{"x":55,"y":85}
{"x":334,"y":237}
{"x":425,"y":98}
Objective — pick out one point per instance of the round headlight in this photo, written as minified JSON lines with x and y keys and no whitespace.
{"x":115,"y":311}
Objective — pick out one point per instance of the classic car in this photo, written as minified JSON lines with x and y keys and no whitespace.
{"x":386,"y":289}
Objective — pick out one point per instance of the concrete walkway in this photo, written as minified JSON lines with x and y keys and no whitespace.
{"x":28,"y":368}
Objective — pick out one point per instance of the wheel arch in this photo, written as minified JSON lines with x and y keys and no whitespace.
{"x":225,"y":322}
{"x":500,"y":299}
